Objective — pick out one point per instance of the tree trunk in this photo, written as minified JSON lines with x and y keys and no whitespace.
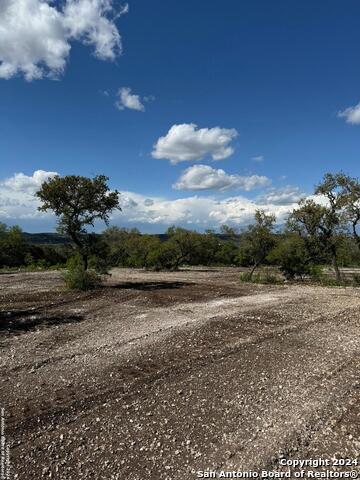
{"x":81,"y":248}
{"x":336,"y":268}
{"x":355,"y":234}
{"x":179,"y":261}
{"x":252,"y":271}
{"x":85,"y":261}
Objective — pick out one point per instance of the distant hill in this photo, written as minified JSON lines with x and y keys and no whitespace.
{"x":58,"y":239}
{"x":46,"y":238}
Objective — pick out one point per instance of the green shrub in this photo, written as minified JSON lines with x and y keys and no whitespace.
{"x":268,"y":278}
{"x":262,"y":278}
{"x":291,"y":256}
{"x":245,"y":277}
{"x":316,"y":272}
{"x":77,"y":278}
{"x":326,"y":280}
{"x":74,"y":262}
{"x":164,"y":257}
{"x":80,"y":279}
{"x":100,"y":265}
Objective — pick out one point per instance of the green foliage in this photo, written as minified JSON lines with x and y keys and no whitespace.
{"x":140,"y":249}
{"x":227,"y":254}
{"x":343,"y":191}
{"x":316,"y":272}
{"x":291,"y":256}
{"x":206,"y":249}
{"x":184,"y":245}
{"x":315,"y":224}
{"x":47,"y":256}
{"x":245,"y":277}
{"x":15,"y":252}
{"x":320,"y":226}
{"x":74,"y":262}
{"x":323,"y":278}
{"x":99,"y":264}
{"x":257,"y":241}
{"x":77,"y":278}
{"x":13,"y":247}
{"x":229,"y":232}
{"x":348,"y":252}
{"x":164,"y":257}
{"x":118,"y":240}
{"x":128,"y":248}
{"x":331,"y":221}
{"x":261,"y":278}
{"x":100,"y":253}
{"x":317,"y":234}
{"x":78,"y":202}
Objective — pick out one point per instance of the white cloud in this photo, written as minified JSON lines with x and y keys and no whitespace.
{"x":129,"y":100}
{"x":17,"y":198}
{"x":193,"y":212}
{"x":351,"y":114}
{"x":89,"y":22}
{"x":185,"y":142}
{"x":282,"y":196}
{"x":18,"y":205}
{"x":258,"y":158}
{"x":25,"y":183}
{"x":36,"y":36}
{"x":203,"y":177}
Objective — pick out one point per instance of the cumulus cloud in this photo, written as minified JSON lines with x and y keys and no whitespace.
{"x":187,"y":142}
{"x":258,"y":158}
{"x":282,"y":196}
{"x":36,"y":36}
{"x":203,"y":177}
{"x":18,"y":204}
{"x":17,"y":198}
{"x":351,"y":114}
{"x":194,"y":212}
{"x":126,"y":99}
{"x":25,"y":183}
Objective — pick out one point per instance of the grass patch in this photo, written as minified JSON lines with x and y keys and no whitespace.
{"x":266,"y":278}
{"x":79,"y":279}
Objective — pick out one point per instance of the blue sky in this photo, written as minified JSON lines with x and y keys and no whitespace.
{"x":278,"y":73}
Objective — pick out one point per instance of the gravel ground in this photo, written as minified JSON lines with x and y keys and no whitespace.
{"x":162,"y":375}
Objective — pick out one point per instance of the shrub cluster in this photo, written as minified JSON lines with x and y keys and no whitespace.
{"x":129,"y":248}
{"x":263,"y":278}
{"x":77,"y":278}
{"x":15,"y":252}
{"x":315,"y":234}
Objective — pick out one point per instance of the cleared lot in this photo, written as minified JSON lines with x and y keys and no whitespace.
{"x":159,"y":375}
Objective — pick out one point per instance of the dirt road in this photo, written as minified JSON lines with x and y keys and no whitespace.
{"x":159,"y":376}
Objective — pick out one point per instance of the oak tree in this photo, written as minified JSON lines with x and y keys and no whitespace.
{"x":79,"y":202}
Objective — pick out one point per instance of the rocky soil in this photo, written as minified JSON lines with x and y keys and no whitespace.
{"x":162,"y":375}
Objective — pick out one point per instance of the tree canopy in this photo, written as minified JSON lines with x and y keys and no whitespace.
{"x":78,"y":202}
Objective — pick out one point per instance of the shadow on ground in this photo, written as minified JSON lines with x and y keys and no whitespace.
{"x":150,"y":285}
{"x":22,"y":321}
{"x":194,"y":269}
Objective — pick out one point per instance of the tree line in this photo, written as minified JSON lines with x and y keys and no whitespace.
{"x":321,"y":230}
